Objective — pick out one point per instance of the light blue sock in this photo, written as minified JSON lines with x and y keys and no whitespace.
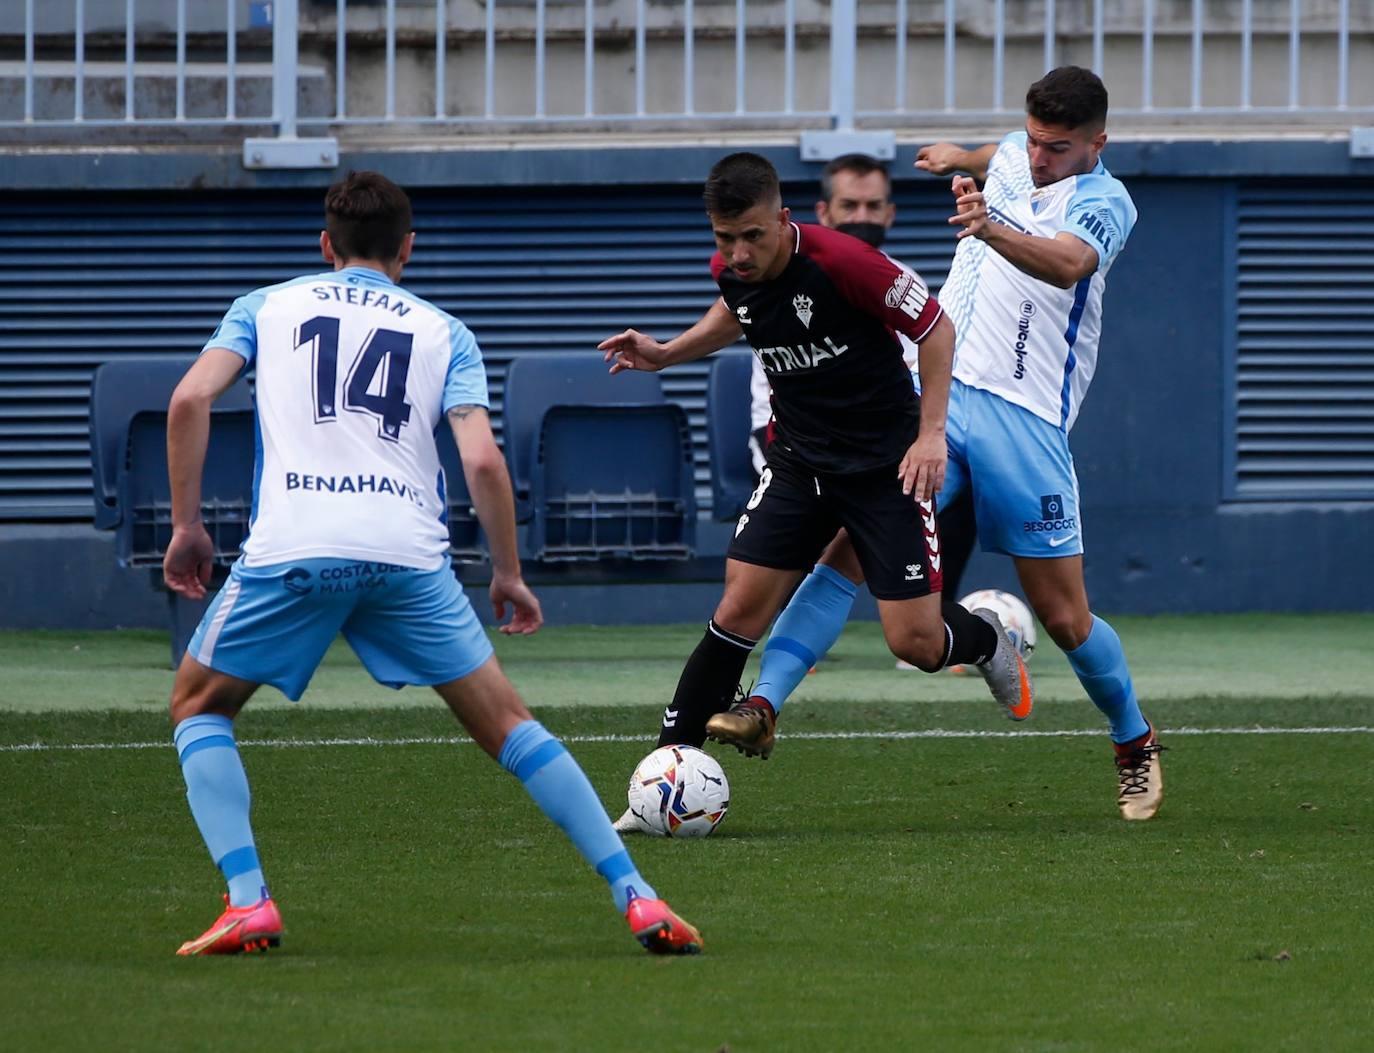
{"x":805,"y":631}
{"x":1100,"y":664}
{"x":217,"y":790}
{"x":559,"y":787}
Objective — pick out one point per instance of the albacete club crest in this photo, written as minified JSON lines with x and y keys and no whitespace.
{"x":802,"y":305}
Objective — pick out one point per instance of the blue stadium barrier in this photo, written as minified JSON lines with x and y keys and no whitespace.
{"x":613,"y":482}
{"x":119,"y":390}
{"x":727,"y":432}
{"x":538,"y":380}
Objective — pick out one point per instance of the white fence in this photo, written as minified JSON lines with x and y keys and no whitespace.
{"x":404,"y":66}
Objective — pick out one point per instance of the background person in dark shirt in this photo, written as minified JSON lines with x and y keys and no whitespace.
{"x":855,"y":449}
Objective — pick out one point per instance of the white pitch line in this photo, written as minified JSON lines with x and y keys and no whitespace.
{"x":803,"y":736}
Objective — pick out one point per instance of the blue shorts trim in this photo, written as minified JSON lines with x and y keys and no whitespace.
{"x":1025,"y":489}
{"x":273,"y":625}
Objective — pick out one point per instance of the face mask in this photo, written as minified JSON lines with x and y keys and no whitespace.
{"x":873,"y":233}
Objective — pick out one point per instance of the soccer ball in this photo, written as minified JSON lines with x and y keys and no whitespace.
{"x":1015,"y":616}
{"x":679,"y":791}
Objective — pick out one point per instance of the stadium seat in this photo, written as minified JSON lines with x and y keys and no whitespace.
{"x":120,"y":389}
{"x":727,"y":427}
{"x":613,"y":482}
{"x":144,"y":499}
{"x":537,"y":380}
{"x":464,"y":530}
{"x":145,"y":494}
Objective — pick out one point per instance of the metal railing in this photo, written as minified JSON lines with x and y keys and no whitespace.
{"x":548,"y":63}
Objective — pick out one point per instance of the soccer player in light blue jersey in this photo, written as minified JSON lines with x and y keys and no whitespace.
{"x":1035,"y":245}
{"x":348,"y":535}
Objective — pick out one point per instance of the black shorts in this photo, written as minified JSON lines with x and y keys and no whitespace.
{"x":795,"y":513}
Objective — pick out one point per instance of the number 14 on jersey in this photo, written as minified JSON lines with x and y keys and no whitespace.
{"x":384,"y":350}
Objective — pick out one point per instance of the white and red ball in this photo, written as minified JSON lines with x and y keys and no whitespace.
{"x":1015,"y":616}
{"x":679,"y":791}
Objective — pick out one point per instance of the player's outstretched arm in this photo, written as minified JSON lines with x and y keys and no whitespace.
{"x":631,"y":349}
{"x":948,"y":158}
{"x":489,"y":484}
{"x":922,"y":470}
{"x":1063,"y":260}
{"x":186,"y":566}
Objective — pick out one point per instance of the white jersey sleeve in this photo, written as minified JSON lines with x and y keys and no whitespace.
{"x":353,"y":375}
{"x":1023,"y":339}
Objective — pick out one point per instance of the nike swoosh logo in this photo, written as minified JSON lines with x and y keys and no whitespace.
{"x":1055,"y":542}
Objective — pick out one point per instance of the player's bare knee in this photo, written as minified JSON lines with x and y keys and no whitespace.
{"x":1066,"y":628}
{"x":193,"y":701}
{"x":923,"y":650}
{"x":742,"y":618}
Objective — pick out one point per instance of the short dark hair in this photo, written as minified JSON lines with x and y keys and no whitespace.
{"x":367,"y":217}
{"x":860,"y":164}
{"x":739,"y":182}
{"x":1069,"y":97}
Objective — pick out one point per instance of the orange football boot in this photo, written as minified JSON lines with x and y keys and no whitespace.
{"x":659,"y":929}
{"x":238,"y":930}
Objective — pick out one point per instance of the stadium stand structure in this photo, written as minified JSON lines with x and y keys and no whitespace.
{"x":131,"y":491}
{"x":539,"y":380}
{"x":613,"y":482}
{"x":464,"y":530}
{"x":1246,"y":135}
{"x":120,"y":391}
{"x":145,"y":494}
{"x":727,"y":429}
{"x":605,"y":469}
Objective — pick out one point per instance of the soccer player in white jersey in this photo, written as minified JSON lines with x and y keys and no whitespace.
{"x":348,"y":535}
{"x":1025,"y":294}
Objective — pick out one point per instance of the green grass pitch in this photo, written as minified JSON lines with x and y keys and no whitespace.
{"x":909,"y":871}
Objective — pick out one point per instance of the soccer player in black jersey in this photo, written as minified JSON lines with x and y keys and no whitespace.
{"x":856,"y":448}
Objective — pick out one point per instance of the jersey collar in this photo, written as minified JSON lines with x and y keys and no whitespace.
{"x":364,"y":272}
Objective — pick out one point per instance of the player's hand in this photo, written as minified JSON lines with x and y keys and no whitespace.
{"x":940,"y":158}
{"x":922,"y":470}
{"x":633,"y":350}
{"x":526,"y":615}
{"x":971,"y":211}
{"x":186,"y":567}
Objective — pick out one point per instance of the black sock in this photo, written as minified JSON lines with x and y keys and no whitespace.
{"x":706,"y":687}
{"x":969,"y":639}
